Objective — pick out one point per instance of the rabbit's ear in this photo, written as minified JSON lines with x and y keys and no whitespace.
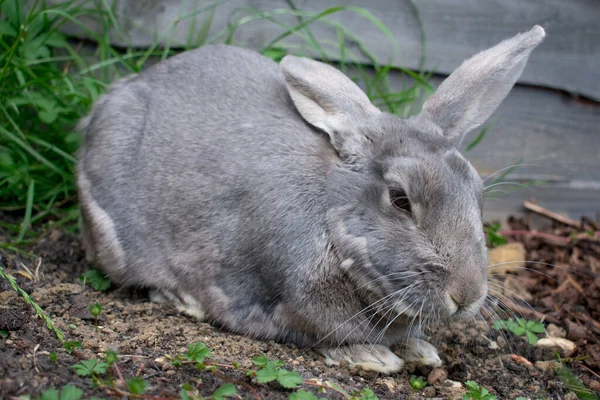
{"x":329,"y":100}
{"x":473,"y":92}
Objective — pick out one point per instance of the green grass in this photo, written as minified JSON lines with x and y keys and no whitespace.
{"x":47,"y":85}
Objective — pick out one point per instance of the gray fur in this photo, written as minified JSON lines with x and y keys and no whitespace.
{"x":256,"y":196}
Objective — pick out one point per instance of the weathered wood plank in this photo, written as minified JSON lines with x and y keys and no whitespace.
{"x":552,"y":130}
{"x":569,"y":59}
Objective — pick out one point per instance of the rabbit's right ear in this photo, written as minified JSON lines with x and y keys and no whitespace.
{"x":330,"y":101}
{"x":473,"y":92}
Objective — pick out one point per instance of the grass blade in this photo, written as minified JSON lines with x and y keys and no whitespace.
{"x":28,"y":210}
{"x":478,"y":139}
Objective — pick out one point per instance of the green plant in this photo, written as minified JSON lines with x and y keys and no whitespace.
{"x":72,"y":345}
{"x":493,"y":237}
{"x":476,"y":392}
{"x":38,"y":310}
{"x":53,"y":357}
{"x":269,"y":371}
{"x":417,"y":383}
{"x":38,"y":103}
{"x":477,"y":139}
{"x":265,"y":371}
{"x":68,"y":392}
{"x":522,"y":327}
{"x":91,"y":367}
{"x":224,"y":391}
{"x":96,"y":279}
{"x":95,"y":309}
{"x":302,"y":395}
{"x":137,"y":385}
{"x":366,"y":394}
{"x":111,"y":357}
{"x":575,"y":384}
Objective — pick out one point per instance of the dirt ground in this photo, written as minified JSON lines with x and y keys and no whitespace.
{"x":566,"y":295}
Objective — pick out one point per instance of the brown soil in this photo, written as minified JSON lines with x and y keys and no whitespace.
{"x":145,"y":334}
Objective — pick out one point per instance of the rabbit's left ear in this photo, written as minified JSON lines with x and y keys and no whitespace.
{"x":473,"y":92}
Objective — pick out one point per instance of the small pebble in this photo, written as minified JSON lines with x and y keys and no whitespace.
{"x":551,"y":366}
{"x":567,"y":346}
{"x":429,"y":391}
{"x":390,"y":384}
{"x":576,"y":332}
{"x":516,"y":367}
{"x":493,"y":346}
{"x":554,"y":330}
{"x":595,"y":386}
{"x":501,"y":342}
{"x":437,"y":375}
{"x":453,"y":389}
{"x":171,"y":372}
{"x":520,"y":360}
{"x":452,"y":384}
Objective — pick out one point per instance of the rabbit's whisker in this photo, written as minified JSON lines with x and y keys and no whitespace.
{"x":390,"y":308}
{"x":491,"y":267}
{"x":509,"y":167}
{"x":506,"y":183}
{"x":382,"y":300}
{"x":397,"y":275}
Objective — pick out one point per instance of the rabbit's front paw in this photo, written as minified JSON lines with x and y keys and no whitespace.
{"x":420,"y":352}
{"x":368,"y":357}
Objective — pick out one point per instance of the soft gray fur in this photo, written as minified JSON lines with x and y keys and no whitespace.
{"x":258,"y":197}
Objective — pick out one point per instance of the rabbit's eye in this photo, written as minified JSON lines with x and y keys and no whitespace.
{"x":400,"y":200}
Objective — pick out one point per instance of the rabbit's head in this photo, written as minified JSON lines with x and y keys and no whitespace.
{"x":406,"y":207}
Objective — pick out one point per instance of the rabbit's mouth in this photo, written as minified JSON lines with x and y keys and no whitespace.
{"x":456,"y":308}
{"x":449,"y":307}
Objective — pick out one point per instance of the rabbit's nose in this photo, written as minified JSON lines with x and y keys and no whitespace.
{"x":466,"y":296}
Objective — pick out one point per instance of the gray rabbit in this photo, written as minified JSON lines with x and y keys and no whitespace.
{"x":277,"y":202}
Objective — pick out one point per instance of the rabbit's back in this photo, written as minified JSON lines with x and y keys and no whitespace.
{"x":205,"y":171}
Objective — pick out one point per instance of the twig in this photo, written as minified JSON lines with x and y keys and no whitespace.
{"x":589,"y":369}
{"x":587,"y":318}
{"x":575,"y":284}
{"x":551,"y":214}
{"x":550,"y":238}
{"x":118,"y":371}
{"x":561,"y":288}
{"x":37,"y":346}
{"x":520,"y":360}
{"x":140,"y":369}
{"x":122,"y":393}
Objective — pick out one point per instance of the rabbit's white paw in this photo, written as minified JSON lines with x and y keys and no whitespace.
{"x":368,"y":357}
{"x":421,"y":352}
